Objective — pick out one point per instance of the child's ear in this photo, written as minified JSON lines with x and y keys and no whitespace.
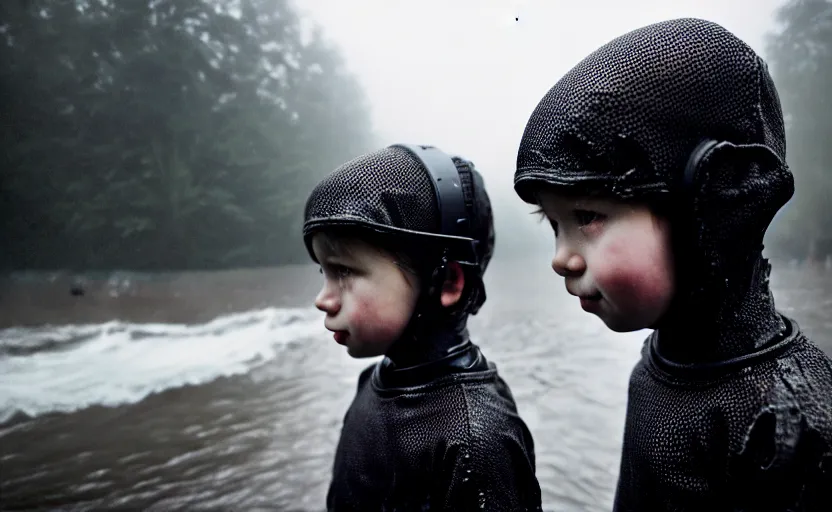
{"x":453,"y":286}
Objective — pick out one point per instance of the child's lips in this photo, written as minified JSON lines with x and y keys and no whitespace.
{"x":590,"y":302}
{"x":340,"y":337}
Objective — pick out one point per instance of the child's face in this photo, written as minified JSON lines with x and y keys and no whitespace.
{"x":367,"y":298}
{"x":615,"y":256}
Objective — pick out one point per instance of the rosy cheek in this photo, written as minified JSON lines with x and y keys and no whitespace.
{"x":371,"y":320}
{"x":634,"y":272}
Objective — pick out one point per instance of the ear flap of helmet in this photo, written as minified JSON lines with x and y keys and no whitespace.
{"x":731,"y":193}
{"x":699,"y":154}
{"x":454,"y":216}
{"x":454,"y":190}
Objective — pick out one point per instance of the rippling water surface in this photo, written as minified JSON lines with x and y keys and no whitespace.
{"x":243,"y":412}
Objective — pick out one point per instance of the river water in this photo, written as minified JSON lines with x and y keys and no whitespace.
{"x":243,"y":412}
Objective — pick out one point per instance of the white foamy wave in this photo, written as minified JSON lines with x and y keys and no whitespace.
{"x":118,"y":363}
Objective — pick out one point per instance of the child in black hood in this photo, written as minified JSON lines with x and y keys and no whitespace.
{"x":403,"y":236}
{"x":659,"y":161}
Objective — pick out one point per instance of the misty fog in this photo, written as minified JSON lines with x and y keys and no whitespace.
{"x":465,"y":75}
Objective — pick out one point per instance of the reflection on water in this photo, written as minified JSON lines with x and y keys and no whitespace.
{"x":244,"y":412}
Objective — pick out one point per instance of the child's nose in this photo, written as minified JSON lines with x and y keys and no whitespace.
{"x":327,"y":300}
{"x":568,"y":263}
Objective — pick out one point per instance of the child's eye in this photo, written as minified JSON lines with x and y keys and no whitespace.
{"x":336,"y":271}
{"x":341,"y":271}
{"x":542,"y":216}
{"x":586,"y":217}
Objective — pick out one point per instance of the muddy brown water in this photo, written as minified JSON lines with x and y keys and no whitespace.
{"x":224,"y":391}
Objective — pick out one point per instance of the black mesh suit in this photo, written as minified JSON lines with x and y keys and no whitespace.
{"x":448,"y":439}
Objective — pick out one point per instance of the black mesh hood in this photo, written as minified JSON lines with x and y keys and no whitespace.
{"x":625,"y":121}
{"x":385,"y":191}
{"x":389,"y":192}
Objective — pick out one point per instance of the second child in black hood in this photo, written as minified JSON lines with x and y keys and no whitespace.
{"x":660,"y":160}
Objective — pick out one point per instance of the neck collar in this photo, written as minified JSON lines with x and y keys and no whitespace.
{"x":722,"y":323}
{"x":427,"y":343}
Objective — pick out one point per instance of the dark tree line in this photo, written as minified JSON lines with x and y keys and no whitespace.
{"x":799,"y":53}
{"x":165,"y":134}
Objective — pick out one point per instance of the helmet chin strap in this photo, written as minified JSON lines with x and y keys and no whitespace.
{"x":429,"y":305}
{"x":433,"y":330}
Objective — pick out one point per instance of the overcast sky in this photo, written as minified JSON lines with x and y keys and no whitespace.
{"x":464,"y":75}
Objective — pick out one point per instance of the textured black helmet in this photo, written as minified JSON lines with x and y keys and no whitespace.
{"x":416,"y":194}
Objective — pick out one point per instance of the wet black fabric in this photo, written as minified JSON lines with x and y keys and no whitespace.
{"x":730,"y":407}
{"x":751,"y":434}
{"x":441,"y":436}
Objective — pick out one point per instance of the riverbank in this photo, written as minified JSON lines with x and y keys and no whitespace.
{"x":181,"y":297}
